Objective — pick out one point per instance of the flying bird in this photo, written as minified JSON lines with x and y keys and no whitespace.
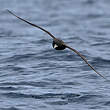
{"x":57,"y":43}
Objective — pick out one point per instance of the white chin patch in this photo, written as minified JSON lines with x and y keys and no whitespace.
{"x":55,"y":46}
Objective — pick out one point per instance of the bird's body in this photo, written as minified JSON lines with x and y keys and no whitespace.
{"x":57,"y":43}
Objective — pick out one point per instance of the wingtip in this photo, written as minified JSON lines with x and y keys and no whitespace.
{"x":8,"y":10}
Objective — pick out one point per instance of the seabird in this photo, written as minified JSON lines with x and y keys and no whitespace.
{"x":57,"y":43}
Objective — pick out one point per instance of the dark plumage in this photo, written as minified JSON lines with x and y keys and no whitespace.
{"x":57,"y":43}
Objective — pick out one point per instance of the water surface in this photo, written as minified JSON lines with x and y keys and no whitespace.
{"x":35,"y":76}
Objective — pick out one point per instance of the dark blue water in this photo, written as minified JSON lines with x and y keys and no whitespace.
{"x":34,"y":76}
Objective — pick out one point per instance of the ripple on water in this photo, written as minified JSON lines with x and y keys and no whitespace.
{"x":43,"y":96}
{"x":34,"y":75}
{"x":10,"y":108}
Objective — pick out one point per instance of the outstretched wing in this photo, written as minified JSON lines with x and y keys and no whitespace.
{"x":84,"y":60}
{"x":32,"y":24}
{"x":56,"y":38}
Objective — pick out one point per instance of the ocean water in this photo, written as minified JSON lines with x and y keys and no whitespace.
{"x":34,"y":76}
